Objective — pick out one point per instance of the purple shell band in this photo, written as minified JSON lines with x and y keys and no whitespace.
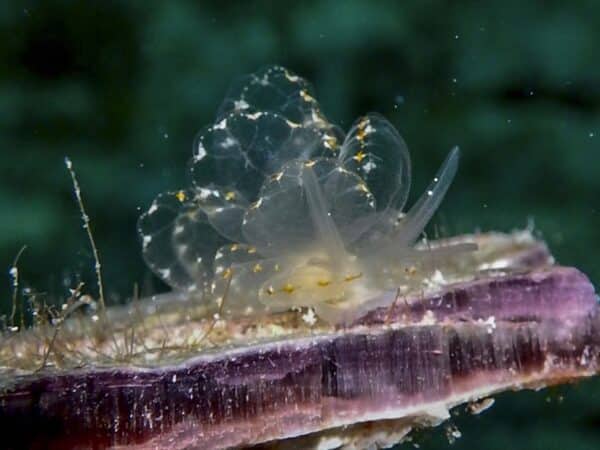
{"x":535,"y":296}
{"x":412,"y":362}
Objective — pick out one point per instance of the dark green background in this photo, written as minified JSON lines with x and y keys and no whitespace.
{"x":123,"y":87}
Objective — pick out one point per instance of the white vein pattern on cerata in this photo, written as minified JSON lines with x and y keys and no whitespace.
{"x":285,"y":210}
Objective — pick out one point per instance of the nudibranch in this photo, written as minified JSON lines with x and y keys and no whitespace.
{"x":286,"y":211}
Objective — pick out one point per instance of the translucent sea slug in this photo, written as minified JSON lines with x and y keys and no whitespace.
{"x":287,"y":211}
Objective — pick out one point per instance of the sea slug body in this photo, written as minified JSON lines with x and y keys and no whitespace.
{"x":286,"y":211}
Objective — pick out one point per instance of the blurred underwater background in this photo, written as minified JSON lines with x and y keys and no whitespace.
{"x":122,"y":88}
